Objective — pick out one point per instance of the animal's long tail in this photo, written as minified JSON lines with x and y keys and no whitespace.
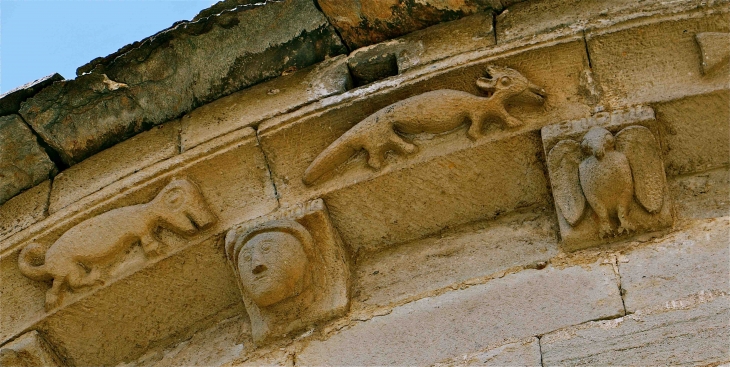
{"x":25,"y":262}
{"x":337,"y":153}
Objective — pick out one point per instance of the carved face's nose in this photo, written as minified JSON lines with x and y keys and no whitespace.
{"x":259,"y":269}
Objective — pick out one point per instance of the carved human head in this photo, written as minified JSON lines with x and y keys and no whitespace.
{"x":597,"y":141}
{"x":272,"y":261}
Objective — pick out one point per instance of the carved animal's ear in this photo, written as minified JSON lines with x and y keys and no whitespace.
{"x":174,"y":198}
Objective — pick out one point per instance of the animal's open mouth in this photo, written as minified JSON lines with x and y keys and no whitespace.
{"x":539,"y":92}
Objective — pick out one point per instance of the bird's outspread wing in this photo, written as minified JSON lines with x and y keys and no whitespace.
{"x":643,"y":153}
{"x":563,"y":162}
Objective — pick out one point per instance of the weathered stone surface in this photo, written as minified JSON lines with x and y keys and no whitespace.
{"x":532,"y":19}
{"x":29,"y":350}
{"x":697,"y":132}
{"x":168,"y":294}
{"x":472,"y":251}
{"x":200,"y":61}
{"x":433,"y":329}
{"x":25,"y":209}
{"x":694,"y":260}
{"x":521,"y":353}
{"x":366,"y":22}
{"x":715,"y":51}
{"x":451,"y":180}
{"x":10,"y":100}
{"x":425,"y":46}
{"x":113,"y":164}
{"x":629,"y":59}
{"x":260,"y":102}
{"x":692,"y":332}
{"x":23,"y":163}
{"x":702,"y":195}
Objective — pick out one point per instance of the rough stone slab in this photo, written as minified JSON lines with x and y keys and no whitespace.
{"x":25,"y":209}
{"x":469,"y":252}
{"x":629,"y":60}
{"x":10,"y":100}
{"x":145,"y":301}
{"x":110,"y":165}
{"x":702,"y":195}
{"x":697,"y":132}
{"x":696,"y":259}
{"x":691,"y":334}
{"x":433,"y":43}
{"x":260,"y":102}
{"x":23,"y":163}
{"x":521,"y":353}
{"x":450,"y":180}
{"x":170,"y":73}
{"x":363,"y":23}
{"x":433,"y":329}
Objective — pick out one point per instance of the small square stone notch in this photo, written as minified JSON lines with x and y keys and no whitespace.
{"x":29,"y":349}
{"x":292,"y":270}
{"x":607,"y":177}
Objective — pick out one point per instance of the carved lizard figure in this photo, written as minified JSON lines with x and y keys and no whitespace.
{"x":432,"y":112}
{"x":179,"y":206}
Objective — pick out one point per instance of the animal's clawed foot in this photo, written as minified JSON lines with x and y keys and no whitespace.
{"x":52,"y":301}
{"x":626,"y":227}
{"x":376,"y":154}
{"x":605,"y":230}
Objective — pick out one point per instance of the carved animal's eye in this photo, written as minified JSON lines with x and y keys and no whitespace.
{"x":505,"y":81}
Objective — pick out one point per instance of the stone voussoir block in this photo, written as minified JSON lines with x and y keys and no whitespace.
{"x":629,"y":59}
{"x":693,"y":331}
{"x":126,"y":92}
{"x":441,"y":179}
{"x":113,"y":164}
{"x":525,"y":352}
{"x":23,"y":162}
{"x":517,"y":306}
{"x":29,"y":349}
{"x":695,"y":260}
{"x":24,"y":209}
{"x":161,"y":254}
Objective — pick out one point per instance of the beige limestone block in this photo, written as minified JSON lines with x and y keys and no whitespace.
{"x":23,"y":210}
{"x":179,"y":295}
{"x":688,"y":262}
{"x":475,"y":250}
{"x":185,"y":296}
{"x":433,"y":329}
{"x":533,"y":19}
{"x":113,"y":164}
{"x":450,"y":180}
{"x":702,"y":195}
{"x":692,"y":332}
{"x":262,"y":101}
{"x":521,"y":353}
{"x":655,"y":59}
{"x":29,"y":349}
{"x":697,"y":131}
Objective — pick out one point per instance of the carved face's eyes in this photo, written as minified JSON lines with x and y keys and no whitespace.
{"x":265,"y":247}
{"x":505,"y":81}
{"x":247,"y":256}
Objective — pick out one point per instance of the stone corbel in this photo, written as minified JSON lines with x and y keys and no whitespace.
{"x":292,"y":270}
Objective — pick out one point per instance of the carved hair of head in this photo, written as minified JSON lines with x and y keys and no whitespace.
{"x":282,"y":225}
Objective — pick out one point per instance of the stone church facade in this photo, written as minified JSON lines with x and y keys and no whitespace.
{"x":395,"y":182}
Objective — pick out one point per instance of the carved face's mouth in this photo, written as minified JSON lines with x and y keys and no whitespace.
{"x":539,"y":94}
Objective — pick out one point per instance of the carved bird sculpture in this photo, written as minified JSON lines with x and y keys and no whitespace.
{"x":608,"y":172}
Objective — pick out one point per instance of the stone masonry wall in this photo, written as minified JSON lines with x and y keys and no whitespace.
{"x":458,"y":252}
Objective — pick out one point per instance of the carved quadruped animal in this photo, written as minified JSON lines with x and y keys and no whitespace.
{"x":608,"y":172}
{"x":179,"y":207}
{"x":432,"y":112}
